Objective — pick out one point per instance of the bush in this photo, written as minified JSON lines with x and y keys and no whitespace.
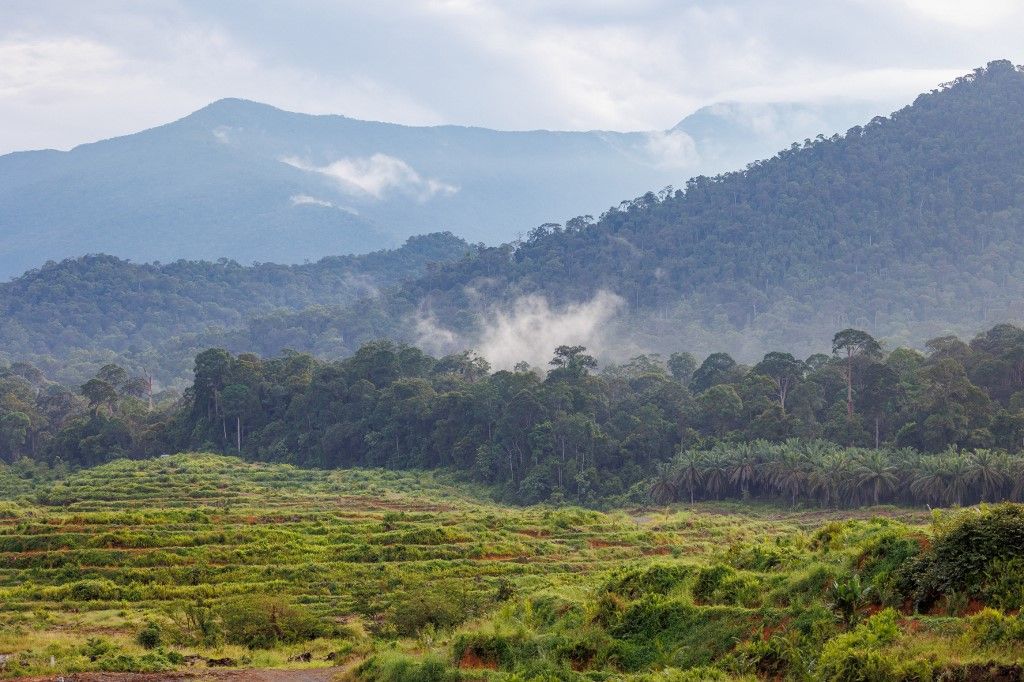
{"x":990,"y":627}
{"x":150,"y":637}
{"x":437,"y":607}
{"x":262,"y":622}
{"x":93,"y":590}
{"x":656,"y":579}
{"x":401,"y":668}
{"x":970,"y":554}
{"x":859,"y":655}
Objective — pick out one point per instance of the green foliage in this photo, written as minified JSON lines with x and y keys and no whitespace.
{"x":399,"y":668}
{"x":991,"y":627}
{"x":150,"y":636}
{"x":264,"y":621}
{"x":861,"y":656}
{"x":975,"y":552}
{"x":75,"y":316}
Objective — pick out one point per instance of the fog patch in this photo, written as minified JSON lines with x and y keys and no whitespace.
{"x":306,"y":200}
{"x":532,"y":329}
{"x":528,"y":330}
{"x":222,"y":134}
{"x":376,"y":176}
{"x":432,"y":337}
{"x":671,"y":149}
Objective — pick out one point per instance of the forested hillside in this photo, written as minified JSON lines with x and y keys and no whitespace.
{"x":910,"y":226}
{"x":71,"y":317}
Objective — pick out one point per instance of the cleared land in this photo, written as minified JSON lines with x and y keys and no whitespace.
{"x":393,"y":575}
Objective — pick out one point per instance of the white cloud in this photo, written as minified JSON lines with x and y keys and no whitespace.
{"x":375,"y":176}
{"x":73,"y":71}
{"x":672,"y":149}
{"x":529,"y":329}
{"x":306,"y":200}
{"x":222,"y":134}
{"x":976,"y":14}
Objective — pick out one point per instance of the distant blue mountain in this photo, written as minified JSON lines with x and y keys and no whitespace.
{"x":246,"y":181}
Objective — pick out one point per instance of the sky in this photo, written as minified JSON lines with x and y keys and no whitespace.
{"x":74,"y":71}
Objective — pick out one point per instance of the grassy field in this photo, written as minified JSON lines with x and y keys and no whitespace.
{"x":200,"y":561}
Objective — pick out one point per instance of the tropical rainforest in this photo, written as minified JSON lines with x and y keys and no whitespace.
{"x":858,"y":425}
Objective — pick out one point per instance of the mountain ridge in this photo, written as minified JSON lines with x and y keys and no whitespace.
{"x":253,"y":182}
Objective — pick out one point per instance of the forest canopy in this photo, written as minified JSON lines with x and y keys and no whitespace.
{"x":857,"y":425}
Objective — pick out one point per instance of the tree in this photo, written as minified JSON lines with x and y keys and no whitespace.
{"x":115,"y":375}
{"x":14,"y":430}
{"x":784,"y":371}
{"x":722,"y":408}
{"x":689,"y":473}
{"x":990,"y":471}
{"x":99,"y":392}
{"x":682,"y":366}
{"x":663,"y":487}
{"x":717,"y":368}
{"x":875,"y":475}
{"x":854,"y":344}
{"x":237,"y":401}
{"x":571,"y":362}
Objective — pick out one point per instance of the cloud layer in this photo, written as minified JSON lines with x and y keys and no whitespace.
{"x":376,"y":176}
{"x":74,"y":71}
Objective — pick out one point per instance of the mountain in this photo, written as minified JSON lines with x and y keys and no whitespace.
{"x":249,"y":182}
{"x":910,"y":226}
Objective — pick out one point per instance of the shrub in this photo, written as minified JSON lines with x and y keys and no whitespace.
{"x":709,"y":579}
{"x":970,"y":555}
{"x":989,"y":627}
{"x":93,"y":590}
{"x":657,"y":579}
{"x":261,"y":622}
{"x":427,"y":607}
{"x":401,"y":668}
{"x":150,"y":636}
{"x":860,"y":656}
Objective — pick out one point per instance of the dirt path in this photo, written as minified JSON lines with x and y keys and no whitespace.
{"x":254,"y":675}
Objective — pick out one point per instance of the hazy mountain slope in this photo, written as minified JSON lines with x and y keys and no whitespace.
{"x":911,"y":226}
{"x":250,"y":182}
{"x":69,"y":316}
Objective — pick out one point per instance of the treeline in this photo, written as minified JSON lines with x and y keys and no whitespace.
{"x":571,"y":432}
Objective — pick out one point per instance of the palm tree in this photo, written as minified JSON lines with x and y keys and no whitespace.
{"x":990,"y":472}
{"x":743,"y":468}
{"x":788,"y":473}
{"x":929,"y":484}
{"x":961,"y":476}
{"x":688,"y":466}
{"x":663,"y":488}
{"x":1017,"y":477}
{"x":875,"y":474}
{"x":829,"y":476}
{"x":715,"y":472}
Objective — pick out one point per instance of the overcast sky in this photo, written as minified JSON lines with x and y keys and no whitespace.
{"x":73,"y":71}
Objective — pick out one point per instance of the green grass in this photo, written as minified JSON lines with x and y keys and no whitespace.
{"x":417,"y":576}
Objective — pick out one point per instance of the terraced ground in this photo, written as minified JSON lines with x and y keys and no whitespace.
{"x":393,"y":566}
